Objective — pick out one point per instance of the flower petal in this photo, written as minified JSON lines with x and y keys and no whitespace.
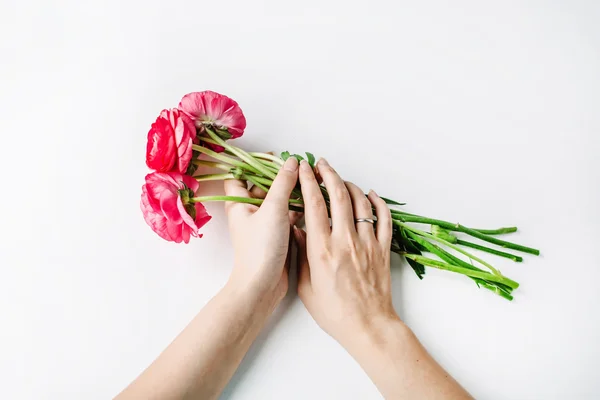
{"x":160,"y":148}
{"x":156,"y":221}
{"x":187,"y":218}
{"x":214,"y":108}
{"x":202,"y":216}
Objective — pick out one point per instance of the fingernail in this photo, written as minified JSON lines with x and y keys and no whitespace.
{"x":323,"y":161}
{"x":304,"y":164}
{"x":291,"y":164}
{"x":373,"y":193}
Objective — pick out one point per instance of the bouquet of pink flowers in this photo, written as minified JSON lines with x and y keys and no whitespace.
{"x":197,"y":133}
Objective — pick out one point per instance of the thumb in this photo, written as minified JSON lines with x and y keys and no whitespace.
{"x":285,"y":181}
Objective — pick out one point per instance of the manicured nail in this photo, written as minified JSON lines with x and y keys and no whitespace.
{"x":291,"y":164}
{"x":323,"y":161}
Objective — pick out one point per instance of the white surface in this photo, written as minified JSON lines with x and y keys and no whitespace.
{"x":481,"y":112}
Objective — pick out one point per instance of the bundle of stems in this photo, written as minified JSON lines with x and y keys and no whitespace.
{"x":439,"y":247}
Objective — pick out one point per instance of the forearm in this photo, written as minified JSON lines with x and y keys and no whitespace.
{"x":400,"y":366}
{"x":202,"y":359}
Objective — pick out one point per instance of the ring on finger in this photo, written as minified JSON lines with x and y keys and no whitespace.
{"x":369,"y":220}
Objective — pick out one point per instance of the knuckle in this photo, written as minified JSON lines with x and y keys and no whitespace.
{"x":324,"y":256}
{"x":316,"y":201}
{"x":285,"y":174}
{"x":340,"y":194}
{"x":325,"y":169}
{"x":348,"y":245}
{"x":364,"y":203}
{"x":307,"y":175}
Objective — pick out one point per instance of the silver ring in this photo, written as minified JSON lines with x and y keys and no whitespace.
{"x":369,"y":220}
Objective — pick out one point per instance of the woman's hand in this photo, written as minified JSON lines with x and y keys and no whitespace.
{"x":261,"y":236}
{"x":347,"y":287}
{"x":344,"y":281}
{"x":202,"y":359}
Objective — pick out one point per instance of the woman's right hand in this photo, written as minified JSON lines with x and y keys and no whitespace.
{"x":344,"y":270}
{"x":344,"y":281}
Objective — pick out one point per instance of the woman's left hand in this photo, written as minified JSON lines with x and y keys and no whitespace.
{"x":261,"y":236}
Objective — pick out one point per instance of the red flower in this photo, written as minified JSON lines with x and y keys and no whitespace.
{"x":170,"y":141}
{"x":215,"y":110}
{"x":167,"y":207}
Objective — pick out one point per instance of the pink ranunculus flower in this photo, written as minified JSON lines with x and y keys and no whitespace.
{"x":215,"y":110}
{"x":170,"y":140}
{"x":167,"y":209}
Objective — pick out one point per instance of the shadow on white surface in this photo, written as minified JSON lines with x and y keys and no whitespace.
{"x":255,"y":350}
{"x":398,"y":268}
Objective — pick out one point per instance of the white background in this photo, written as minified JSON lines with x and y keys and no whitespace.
{"x":481,"y":112}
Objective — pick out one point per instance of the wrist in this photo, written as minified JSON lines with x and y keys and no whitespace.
{"x":254,"y":291}
{"x":377,"y":335}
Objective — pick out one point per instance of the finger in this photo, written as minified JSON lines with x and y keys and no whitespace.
{"x":339,"y":199}
{"x":257,"y":192}
{"x":277,"y":198}
{"x":288,"y":258}
{"x":383,"y":229}
{"x":362,"y":209}
{"x":302,"y":261}
{"x":315,"y":209}
{"x":238,"y":188}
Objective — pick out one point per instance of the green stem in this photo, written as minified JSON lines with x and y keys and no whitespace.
{"x":242,"y":155}
{"x":450,"y":226}
{"x":246,"y":200}
{"x":267,"y":156}
{"x":255,"y":182}
{"x":224,"y":158}
{"x":260,"y":157}
{"x":212,"y":164}
{"x":499,"y":231}
{"x":452,"y":246}
{"x":492,"y":287}
{"x":237,"y":199}
{"x":513,"y":257}
{"x":441,"y":253}
{"x":213,"y":177}
{"x":503,"y":291}
{"x":465,"y":271}
{"x":261,"y":179}
{"x":469,"y":231}
{"x":269,"y":165}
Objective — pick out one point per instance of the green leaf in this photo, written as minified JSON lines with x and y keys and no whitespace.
{"x":402,"y":242}
{"x":417,"y":267}
{"x":408,"y":244}
{"x":310,"y":158}
{"x":417,"y":245}
{"x":390,"y":201}
{"x":191,"y":169}
{"x":223,"y":133}
{"x":299,"y":158}
{"x":285,"y":155}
